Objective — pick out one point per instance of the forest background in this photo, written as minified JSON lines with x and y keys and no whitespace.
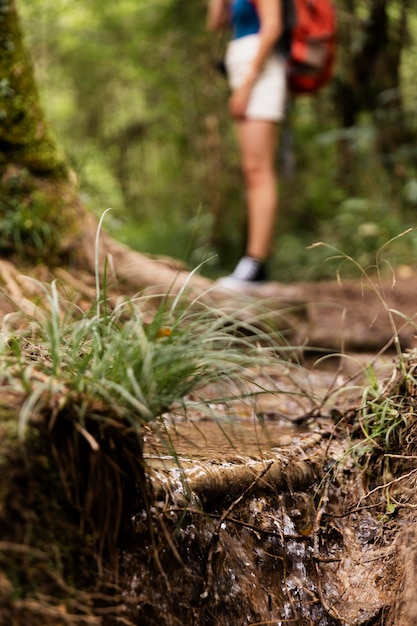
{"x":132,"y":92}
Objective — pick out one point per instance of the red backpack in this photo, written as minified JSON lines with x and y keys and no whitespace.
{"x":312,"y":45}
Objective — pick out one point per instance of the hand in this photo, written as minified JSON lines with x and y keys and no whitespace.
{"x":239,"y":100}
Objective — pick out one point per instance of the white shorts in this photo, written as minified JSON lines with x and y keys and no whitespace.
{"x":267,"y":99}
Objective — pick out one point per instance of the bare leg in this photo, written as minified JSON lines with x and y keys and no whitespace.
{"x":257,"y":142}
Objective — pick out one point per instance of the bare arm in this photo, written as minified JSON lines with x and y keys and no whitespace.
{"x":270,"y":17}
{"x":218,"y":14}
{"x":269,"y":12}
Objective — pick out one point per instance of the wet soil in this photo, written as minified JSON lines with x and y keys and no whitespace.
{"x":286,"y":531}
{"x":272,"y":521}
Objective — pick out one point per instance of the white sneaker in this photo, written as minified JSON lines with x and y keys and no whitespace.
{"x":248,"y":272}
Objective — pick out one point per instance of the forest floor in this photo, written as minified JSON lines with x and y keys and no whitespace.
{"x":326,"y":546}
{"x":291,"y":530}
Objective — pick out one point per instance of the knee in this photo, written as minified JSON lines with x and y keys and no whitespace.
{"x":257,"y":173}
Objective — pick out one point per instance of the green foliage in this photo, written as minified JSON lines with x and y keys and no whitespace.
{"x":26,"y":227}
{"x":131,"y":91}
{"x":383,"y":416}
{"x":387,"y":406}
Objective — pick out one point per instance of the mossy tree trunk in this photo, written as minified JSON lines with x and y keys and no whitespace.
{"x":40,"y":212}
{"x":24,"y":137}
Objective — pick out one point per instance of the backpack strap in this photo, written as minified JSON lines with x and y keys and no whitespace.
{"x":288,"y":23}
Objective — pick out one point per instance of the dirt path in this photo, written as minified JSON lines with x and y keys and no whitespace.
{"x":347,"y":316}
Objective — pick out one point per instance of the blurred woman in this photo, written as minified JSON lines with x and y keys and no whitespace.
{"x":256,"y":74}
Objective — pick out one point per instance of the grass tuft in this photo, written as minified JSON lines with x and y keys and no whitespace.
{"x":133,"y":369}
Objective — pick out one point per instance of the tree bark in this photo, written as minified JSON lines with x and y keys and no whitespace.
{"x":39,"y":207}
{"x":25,"y":140}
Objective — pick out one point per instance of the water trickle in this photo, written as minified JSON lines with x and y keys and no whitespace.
{"x":239,"y":535}
{"x":241,"y":572}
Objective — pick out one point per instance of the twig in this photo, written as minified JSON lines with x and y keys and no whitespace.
{"x":274,"y":621}
{"x":171,"y":543}
{"x":405,"y":505}
{"x":317,"y":559}
{"x":238,"y":522}
{"x":392,"y":482}
{"x":354,"y":509}
{"x":332,"y":611}
{"x":89,"y":438}
{"x":46,"y":611}
{"x":216,"y":534}
{"x":400,"y":456}
{"x":8,"y":546}
{"x":317,"y":522}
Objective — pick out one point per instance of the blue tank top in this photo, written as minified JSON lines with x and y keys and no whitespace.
{"x":245,"y":20}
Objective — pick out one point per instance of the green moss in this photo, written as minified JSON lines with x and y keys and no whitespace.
{"x":25,"y":226}
{"x":35,"y":213}
{"x":38,"y":204}
{"x":24,"y":137}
